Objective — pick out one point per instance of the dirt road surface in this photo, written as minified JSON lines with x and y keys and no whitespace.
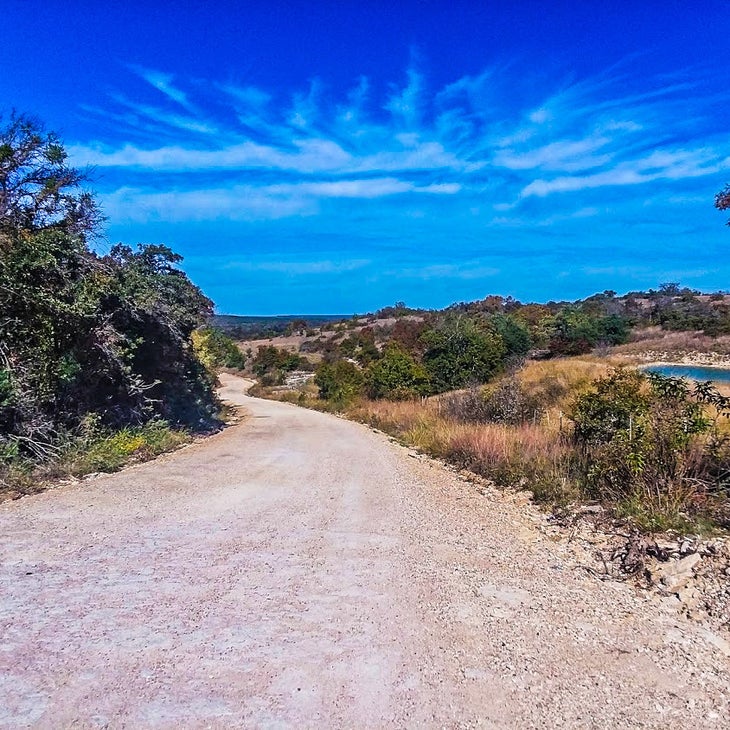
{"x":299,"y":570}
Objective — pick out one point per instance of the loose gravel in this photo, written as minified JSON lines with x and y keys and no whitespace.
{"x":299,"y":570}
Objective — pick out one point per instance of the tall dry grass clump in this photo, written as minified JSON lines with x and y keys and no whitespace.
{"x":394,"y":417}
{"x":554,"y":384}
{"x":525,"y":455}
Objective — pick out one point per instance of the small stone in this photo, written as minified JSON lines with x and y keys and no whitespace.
{"x":676,"y":574}
{"x":717,"y":641}
{"x":591,"y":509}
{"x":685,"y":547}
{"x":667,"y":546}
{"x":689,"y":597}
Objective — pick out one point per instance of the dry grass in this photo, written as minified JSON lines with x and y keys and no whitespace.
{"x":530,"y":456}
{"x":655,"y":343}
{"x":554,"y":384}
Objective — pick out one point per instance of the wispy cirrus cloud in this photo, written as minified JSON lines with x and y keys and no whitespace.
{"x":299,"y":268}
{"x":163,"y":82}
{"x":166,"y":118}
{"x":283,"y":154}
{"x":661,"y":165}
{"x":252,"y":202}
{"x":308,"y":156}
{"x":466,"y":270}
{"x":567,"y":155}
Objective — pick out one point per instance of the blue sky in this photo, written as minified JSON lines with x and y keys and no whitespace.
{"x":339,"y":156}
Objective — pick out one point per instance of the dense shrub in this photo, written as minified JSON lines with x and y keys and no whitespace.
{"x":505,"y":403}
{"x":459,"y":352}
{"x":271,"y":364}
{"x":396,"y":375}
{"x":216,"y":349}
{"x":575,"y":331}
{"x":467,"y":406}
{"x":339,"y":382}
{"x":82,"y":334}
{"x":515,"y":335}
{"x":652,"y":445}
{"x":359,"y":346}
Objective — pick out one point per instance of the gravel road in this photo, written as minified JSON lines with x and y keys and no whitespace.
{"x":299,"y":570}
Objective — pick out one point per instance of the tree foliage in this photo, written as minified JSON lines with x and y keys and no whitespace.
{"x":271,"y":364}
{"x":339,"y":382}
{"x":514,"y":333}
{"x":396,"y":375}
{"x":38,"y":188}
{"x":459,"y":352}
{"x":216,"y":349}
{"x":81,"y":334}
{"x":722,"y":200}
{"x":575,"y":330}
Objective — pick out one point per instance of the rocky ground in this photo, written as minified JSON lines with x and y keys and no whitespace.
{"x":688,"y":573}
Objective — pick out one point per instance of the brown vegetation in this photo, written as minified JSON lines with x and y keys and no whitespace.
{"x":520,"y":431}
{"x":654,"y":343}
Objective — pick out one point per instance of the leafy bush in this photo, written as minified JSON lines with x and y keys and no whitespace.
{"x":396,"y":376}
{"x":341,"y":382}
{"x":459,"y":352}
{"x":216,"y":349}
{"x":652,"y":445}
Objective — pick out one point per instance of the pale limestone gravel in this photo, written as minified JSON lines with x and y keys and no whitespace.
{"x":299,"y":570}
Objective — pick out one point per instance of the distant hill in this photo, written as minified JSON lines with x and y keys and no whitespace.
{"x":671,"y":307}
{"x":247,"y":326}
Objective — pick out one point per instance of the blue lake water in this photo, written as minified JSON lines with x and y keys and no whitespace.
{"x":693,"y":372}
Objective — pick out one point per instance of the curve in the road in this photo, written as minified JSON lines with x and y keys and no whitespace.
{"x":299,"y":570}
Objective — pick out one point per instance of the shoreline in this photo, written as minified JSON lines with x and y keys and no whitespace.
{"x":665,"y":363}
{"x":688,"y":357}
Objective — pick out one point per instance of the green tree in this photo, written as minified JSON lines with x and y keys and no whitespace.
{"x":514,"y":334}
{"x":722,"y":200}
{"x":339,"y":382}
{"x":38,"y":189}
{"x":396,"y":375}
{"x":459,"y":352}
{"x":615,"y":403}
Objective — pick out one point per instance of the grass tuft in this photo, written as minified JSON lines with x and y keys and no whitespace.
{"x":110,"y":452}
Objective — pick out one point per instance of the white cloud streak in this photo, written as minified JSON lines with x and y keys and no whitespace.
{"x":678,"y":165}
{"x":299,"y":268}
{"x":247,"y":202}
{"x":284,"y":155}
{"x":163,"y":83}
